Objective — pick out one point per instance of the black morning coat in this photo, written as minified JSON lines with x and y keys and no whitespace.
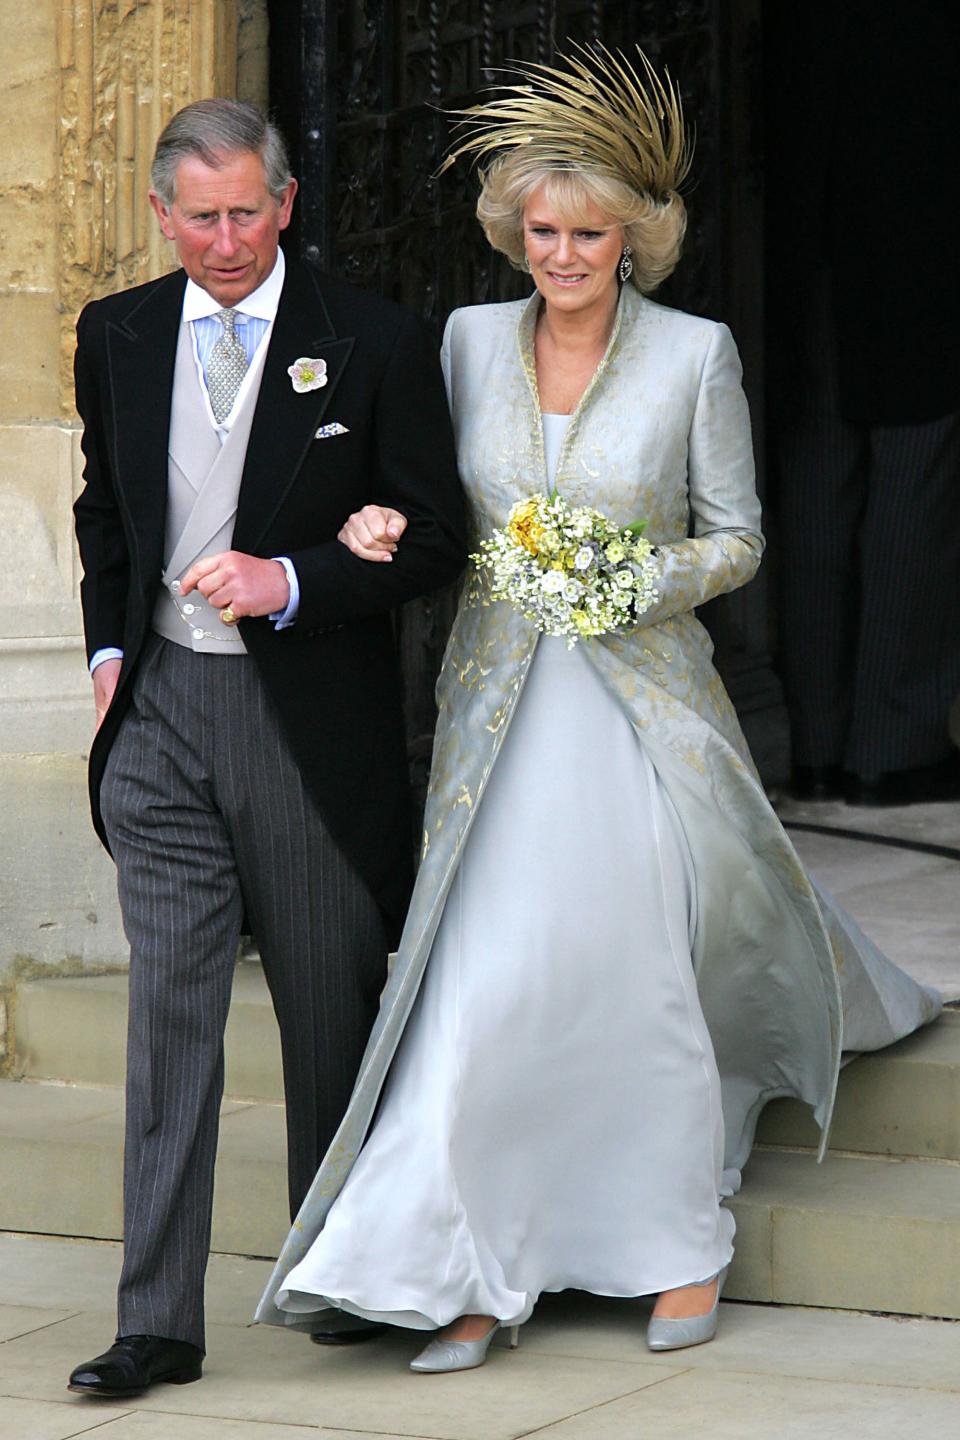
{"x":333,"y":676}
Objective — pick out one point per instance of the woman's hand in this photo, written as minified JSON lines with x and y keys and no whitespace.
{"x":373,"y":532}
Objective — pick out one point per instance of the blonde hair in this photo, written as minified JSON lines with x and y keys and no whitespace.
{"x":654,"y":229}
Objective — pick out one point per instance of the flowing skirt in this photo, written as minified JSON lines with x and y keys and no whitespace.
{"x":552,"y":1117}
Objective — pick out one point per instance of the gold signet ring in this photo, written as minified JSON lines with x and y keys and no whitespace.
{"x":227,"y":616}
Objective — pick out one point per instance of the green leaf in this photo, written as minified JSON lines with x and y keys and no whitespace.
{"x":637,"y":527}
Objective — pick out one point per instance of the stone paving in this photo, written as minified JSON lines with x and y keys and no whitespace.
{"x":906,"y":901}
{"x":581,"y":1372}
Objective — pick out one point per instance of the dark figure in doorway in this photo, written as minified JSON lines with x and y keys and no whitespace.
{"x":863,"y":117}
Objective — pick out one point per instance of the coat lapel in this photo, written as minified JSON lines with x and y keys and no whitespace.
{"x":193,"y":442}
{"x":285,"y":422}
{"x":141,"y":356}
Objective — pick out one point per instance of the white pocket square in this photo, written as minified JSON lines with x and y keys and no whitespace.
{"x":326,"y":432}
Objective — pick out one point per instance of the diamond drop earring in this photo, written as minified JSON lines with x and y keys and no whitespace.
{"x":625,"y":268}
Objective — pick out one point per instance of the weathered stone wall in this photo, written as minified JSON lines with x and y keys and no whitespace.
{"x":85,"y":88}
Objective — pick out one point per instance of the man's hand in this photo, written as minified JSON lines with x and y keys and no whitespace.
{"x":373,"y":532}
{"x":105,"y":679}
{"x":248,"y":585}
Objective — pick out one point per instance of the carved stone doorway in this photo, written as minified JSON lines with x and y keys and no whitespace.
{"x":354,"y":86}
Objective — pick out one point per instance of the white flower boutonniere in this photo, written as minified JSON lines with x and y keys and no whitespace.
{"x":306,"y":374}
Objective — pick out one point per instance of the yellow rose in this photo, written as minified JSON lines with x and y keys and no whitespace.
{"x":524,"y":528}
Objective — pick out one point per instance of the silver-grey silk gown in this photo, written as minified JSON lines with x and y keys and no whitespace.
{"x":552,"y":1118}
{"x":786,"y":980}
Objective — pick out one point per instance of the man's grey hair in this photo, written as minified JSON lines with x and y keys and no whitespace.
{"x":212,"y":130}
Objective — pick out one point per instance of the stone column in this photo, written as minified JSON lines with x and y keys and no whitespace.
{"x":85,"y":89}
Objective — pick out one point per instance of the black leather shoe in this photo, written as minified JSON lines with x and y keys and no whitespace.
{"x":348,"y":1330}
{"x":922,"y":785}
{"x":816,"y":782}
{"x":134,"y":1363}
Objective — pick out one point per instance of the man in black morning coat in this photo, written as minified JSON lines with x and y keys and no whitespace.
{"x":250,"y":753}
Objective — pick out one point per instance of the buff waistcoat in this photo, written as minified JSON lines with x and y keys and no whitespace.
{"x":203,"y":486}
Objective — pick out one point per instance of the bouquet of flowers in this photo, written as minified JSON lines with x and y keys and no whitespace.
{"x":569,"y":568}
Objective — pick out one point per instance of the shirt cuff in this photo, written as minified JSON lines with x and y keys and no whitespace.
{"x":284,"y":618}
{"x":107,"y":653}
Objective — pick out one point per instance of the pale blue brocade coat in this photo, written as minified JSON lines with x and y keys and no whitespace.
{"x":786,"y":979}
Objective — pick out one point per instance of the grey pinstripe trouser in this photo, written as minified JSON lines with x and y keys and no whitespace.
{"x":207,"y":816}
{"x":870,"y":573}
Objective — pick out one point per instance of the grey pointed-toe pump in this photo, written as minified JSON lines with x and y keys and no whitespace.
{"x":441,"y":1356}
{"x":666,"y":1334}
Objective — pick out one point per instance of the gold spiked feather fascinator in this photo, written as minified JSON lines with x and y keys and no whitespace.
{"x":598,"y":115}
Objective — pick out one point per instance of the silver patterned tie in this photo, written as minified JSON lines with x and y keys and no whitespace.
{"x":226,"y":367}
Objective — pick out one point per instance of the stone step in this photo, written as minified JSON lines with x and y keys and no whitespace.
{"x":857,"y":1233}
{"x":75,"y":1029}
{"x":61,"y":1166}
{"x":905,"y":1100}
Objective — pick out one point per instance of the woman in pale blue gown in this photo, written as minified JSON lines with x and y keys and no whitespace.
{"x":613,"y":957}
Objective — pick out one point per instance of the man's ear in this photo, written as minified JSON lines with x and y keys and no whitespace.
{"x":163,"y":215}
{"x":286,"y":205}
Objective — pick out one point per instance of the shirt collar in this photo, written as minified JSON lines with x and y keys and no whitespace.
{"x":261,"y":303}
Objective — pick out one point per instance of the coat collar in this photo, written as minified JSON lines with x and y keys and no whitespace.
{"x":628,"y":306}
